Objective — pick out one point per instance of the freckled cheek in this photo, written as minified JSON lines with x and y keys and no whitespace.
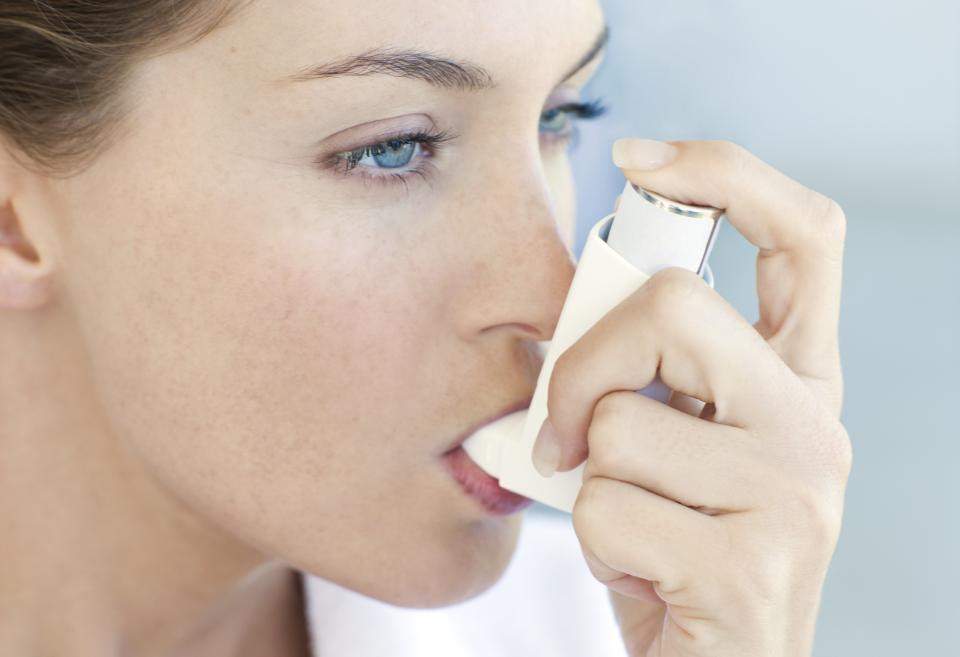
{"x":337,"y":344}
{"x":341,"y":323}
{"x":298,"y":354}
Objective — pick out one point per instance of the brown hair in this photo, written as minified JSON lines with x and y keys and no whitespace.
{"x":63,"y":63}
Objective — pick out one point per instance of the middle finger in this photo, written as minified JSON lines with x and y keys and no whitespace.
{"x":676,"y":326}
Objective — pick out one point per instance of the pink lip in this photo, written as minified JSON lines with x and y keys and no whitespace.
{"x":480,"y":486}
{"x":516,"y":406}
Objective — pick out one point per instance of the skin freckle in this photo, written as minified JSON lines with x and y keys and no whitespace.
{"x":254,"y":359}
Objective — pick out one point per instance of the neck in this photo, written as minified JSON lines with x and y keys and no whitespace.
{"x":96,"y":557}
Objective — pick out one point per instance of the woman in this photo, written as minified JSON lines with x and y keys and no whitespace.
{"x":263,"y":266}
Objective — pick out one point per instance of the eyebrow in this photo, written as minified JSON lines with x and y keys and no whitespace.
{"x":439,"y":71}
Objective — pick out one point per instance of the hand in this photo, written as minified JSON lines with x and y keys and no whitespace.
{"x":714,"y":529}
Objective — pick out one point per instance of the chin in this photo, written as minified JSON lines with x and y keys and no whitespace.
{"x":445,"y":573}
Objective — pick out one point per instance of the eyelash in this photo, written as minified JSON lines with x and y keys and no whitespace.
{"x":346,"y":161}
{"x":343,"y":163}
{"x":592,"y":109}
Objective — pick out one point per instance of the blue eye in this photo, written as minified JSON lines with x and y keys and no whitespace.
{"x":393,"y":154}
{"x":559,"y":124}
{"x":555,"y":120}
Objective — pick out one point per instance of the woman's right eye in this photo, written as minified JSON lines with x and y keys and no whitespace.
{"x":391,"y":154}
{"x":393,"y":160}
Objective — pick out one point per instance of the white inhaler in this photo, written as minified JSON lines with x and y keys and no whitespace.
{"x":647,"y":233}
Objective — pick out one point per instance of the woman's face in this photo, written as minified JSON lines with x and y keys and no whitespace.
{"x":289,"y":344}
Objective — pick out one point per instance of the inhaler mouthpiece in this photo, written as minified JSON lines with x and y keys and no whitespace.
{"x":647,"y":233}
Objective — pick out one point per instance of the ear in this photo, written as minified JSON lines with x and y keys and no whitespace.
{"x":25,"y":269}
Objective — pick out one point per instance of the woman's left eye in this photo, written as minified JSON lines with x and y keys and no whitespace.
{"x":559,"y":123}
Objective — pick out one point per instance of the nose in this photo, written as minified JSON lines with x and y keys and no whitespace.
{"x":518,"y":261}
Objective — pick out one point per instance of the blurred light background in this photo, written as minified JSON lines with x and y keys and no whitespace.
{"x":861,"y":101}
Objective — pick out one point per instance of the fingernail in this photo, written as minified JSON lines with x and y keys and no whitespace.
{"x":546,"y":450}
{"x":643,"y":153}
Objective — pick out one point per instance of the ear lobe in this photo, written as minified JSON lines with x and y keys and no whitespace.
{"x":25,"y":280}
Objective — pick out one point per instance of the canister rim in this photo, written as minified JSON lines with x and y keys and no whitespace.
{"x":682,"y":209}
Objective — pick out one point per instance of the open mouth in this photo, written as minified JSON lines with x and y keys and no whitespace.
{"x":480,"y":486}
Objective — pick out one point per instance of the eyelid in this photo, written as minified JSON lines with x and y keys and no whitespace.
{"x":590,"y":109}
{"x":372,"y":132}
{"x":430,"y":139}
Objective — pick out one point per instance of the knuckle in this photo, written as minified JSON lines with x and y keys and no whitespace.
{"x":734,"y":156}
{"x":760,"y":586}
{"x":584,"y":514}
{"x":813,"y":490}
{"x":672,"y":292}
{"x":707,"y":636}
{"x":827,"y":221}
{"x":730,"y":150}
{"x":599,"y":570}
{"x":827,"y":522}
{"x":821,"y":513}
{"x":834,"y":451}
{"x":844,"y":451}
{"x":808,"y":486}
{"x":610,"y":405}
{"x":602,"y":443}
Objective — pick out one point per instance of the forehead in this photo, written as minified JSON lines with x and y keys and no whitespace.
{"x":275,"y":38}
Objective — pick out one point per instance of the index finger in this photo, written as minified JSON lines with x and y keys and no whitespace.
{"x":770,"y":209}
{"x":799,"y":233}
